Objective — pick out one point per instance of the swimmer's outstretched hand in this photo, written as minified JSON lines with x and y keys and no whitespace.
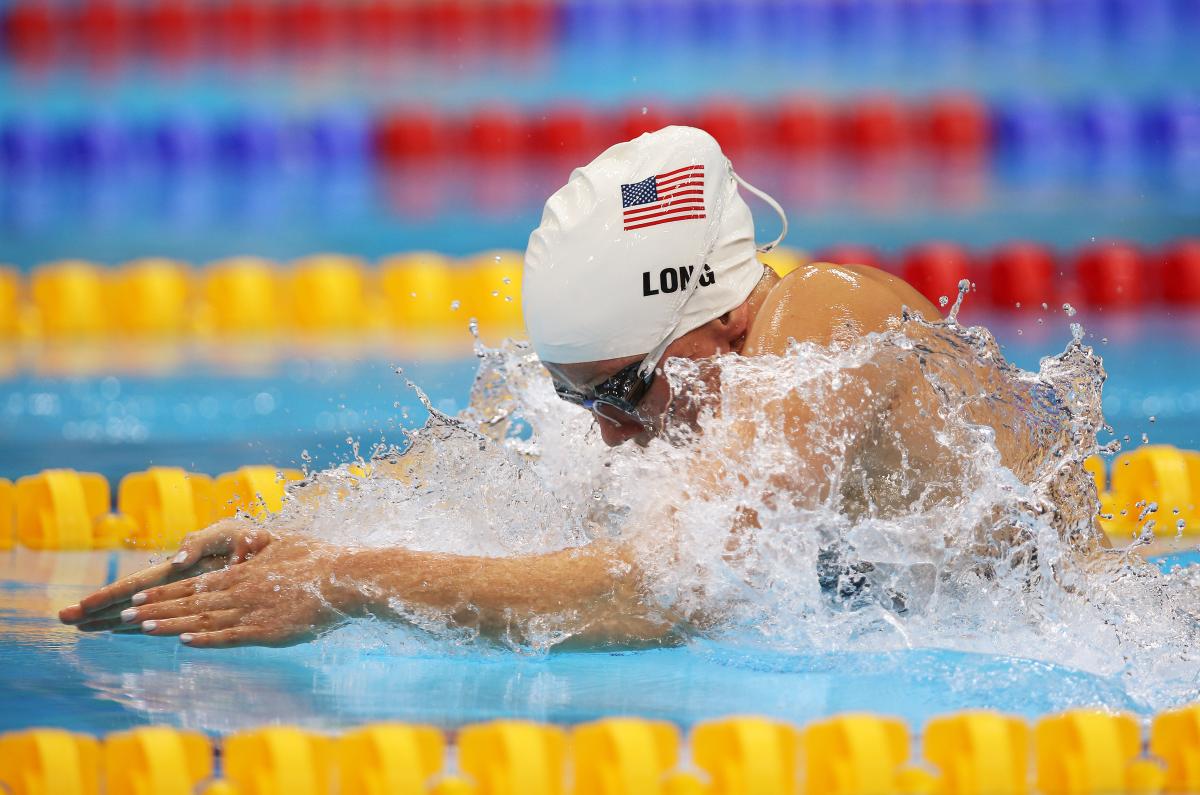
{"x":225,"y":543}
{"x":285,"y":595}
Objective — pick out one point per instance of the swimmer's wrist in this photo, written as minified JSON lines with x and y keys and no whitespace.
{"x":366,"y":581}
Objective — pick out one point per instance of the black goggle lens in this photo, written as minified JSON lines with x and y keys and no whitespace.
{"x":623,"y":390}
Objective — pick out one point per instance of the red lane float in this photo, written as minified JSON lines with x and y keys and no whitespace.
{"x":567,"y":130}
{"x":803,"y":125}
{"x":874,"y":125}
{"x":858,"y":133}
{"x":1022,"y":276}
{"x":495,"y":132}
{"x":936,"y":268}
{"x":104,"y":27}
{"x":1112,"y":275}
{"x":409,"y":135}
{"x":637,"y":119}
{"x":957,"y":124}
{"x":32,"y":29}
{"x":1180,"y":273}
{"x":731,"y":122}
{"x":175,"y":29}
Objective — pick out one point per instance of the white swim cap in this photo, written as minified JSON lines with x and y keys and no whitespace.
{"x":642,"y":245}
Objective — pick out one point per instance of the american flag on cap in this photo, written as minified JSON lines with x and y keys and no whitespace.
{"x":675,"y":196}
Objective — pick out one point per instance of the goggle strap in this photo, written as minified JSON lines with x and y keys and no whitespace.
{"x":774,"y":205}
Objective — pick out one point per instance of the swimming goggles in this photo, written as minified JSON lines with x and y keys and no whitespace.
{"x":622,"y":391}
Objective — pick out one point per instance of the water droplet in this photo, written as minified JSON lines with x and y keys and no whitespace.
{"x":1145,"y":439}
{"x":495,"y":293}
{"x":1153,"y":418}
{"x":645,"y":110}
{"x":1070,"y":310}
{"x":455,"y":304}
{"x":943,"y":300}
{"x":507,"y":280}
{"x":1017,"y":304}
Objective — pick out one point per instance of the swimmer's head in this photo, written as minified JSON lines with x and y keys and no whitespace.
{"x":646,"y":252}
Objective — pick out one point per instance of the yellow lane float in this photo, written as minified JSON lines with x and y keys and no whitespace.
{"x":1080,"y":752}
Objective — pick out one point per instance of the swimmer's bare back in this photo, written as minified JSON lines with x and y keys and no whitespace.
{"x":827,"y":304}
{"x":835,"y":305}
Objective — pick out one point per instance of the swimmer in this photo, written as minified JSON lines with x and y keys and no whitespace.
{"x":646,"y":254}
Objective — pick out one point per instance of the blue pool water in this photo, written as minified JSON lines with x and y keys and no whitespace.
{"x":210,"y":419}
{"x":212,"y":411}
{"x":99,"y":683}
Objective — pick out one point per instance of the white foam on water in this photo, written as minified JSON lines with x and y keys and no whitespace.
{"x":912,"y":490}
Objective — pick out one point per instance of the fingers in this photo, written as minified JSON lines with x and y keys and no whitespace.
{"x":175,"y":608}
{"x":227,"y":638}
{"x":116,"y":597}
{"x":115,"y":593}
{"x":113,"y":611}
{"x":221,"y":538}
{"x":213,"y":581}
{"x":199,"y":623}
{"x":249,"y":543}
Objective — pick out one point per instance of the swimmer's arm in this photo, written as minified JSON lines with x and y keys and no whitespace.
{"x":297,"y":587}
{"x":593,"y":590}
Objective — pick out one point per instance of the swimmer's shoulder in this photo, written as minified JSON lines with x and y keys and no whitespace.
{"x":826,"y":304}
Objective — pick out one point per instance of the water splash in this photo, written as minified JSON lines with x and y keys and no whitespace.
{"x":912,"y":490}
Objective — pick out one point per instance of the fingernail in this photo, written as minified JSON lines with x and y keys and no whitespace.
{"x":180,"y":558}
{"x":186,"y":637}
{"x":148,"y":626}
{"x":129,"y":615}
{"x":138,"y":598}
